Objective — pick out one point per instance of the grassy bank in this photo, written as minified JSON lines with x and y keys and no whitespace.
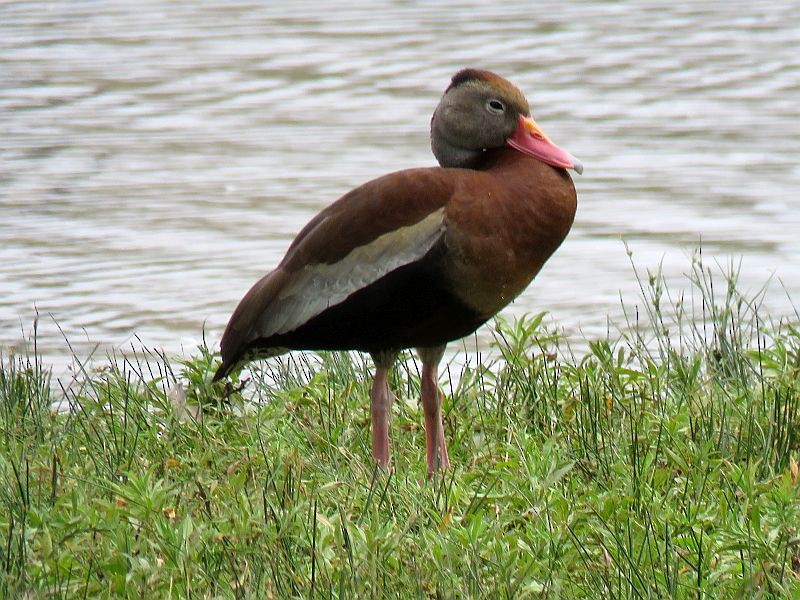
{"x":662,"y":462}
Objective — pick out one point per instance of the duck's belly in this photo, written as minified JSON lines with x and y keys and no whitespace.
{"x":413,"y":306}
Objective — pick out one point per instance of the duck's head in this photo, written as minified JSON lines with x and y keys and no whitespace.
{"x":480,"y":111}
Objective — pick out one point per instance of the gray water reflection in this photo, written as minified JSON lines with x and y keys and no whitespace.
{"x":157,"y":157}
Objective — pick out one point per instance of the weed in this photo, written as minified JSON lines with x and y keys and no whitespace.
{"x":660,"y":463}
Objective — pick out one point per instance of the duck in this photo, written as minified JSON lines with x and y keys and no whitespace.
{"x":420,"y":257}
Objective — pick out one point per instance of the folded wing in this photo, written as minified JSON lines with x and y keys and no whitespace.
{"x":375,"y":230}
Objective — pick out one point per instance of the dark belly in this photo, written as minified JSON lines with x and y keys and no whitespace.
{"x":409,"y":307}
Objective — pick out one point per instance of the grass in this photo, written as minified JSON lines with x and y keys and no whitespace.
{"x":661,"y":462}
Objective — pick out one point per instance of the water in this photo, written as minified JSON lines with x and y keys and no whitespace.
{"x":157,"y":157}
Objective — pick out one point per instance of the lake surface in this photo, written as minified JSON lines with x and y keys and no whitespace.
{"x":157,"y":157}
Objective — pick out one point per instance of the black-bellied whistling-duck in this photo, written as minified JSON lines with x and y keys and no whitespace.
{"x":421,"y":257}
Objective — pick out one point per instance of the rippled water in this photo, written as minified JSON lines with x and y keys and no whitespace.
{"x":157,"y":157}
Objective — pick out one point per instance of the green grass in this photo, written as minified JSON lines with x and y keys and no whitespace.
{"x":660,"y":462}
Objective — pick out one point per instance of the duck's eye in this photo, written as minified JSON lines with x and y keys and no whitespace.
{"x":495,"y":106}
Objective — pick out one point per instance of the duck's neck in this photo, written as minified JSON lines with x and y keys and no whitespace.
{"x":450,"y":156}
{"x":462,"y":158}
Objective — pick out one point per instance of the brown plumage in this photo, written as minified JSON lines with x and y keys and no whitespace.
{"x":419,"y":257}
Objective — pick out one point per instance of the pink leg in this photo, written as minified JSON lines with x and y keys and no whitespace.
{"x":381,"y":408}
{"x":436,"y":445}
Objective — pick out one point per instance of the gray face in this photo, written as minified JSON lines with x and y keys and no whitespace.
{"x":472,"y":117}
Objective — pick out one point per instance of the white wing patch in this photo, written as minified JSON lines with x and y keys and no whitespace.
{"x":318,"y":287}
